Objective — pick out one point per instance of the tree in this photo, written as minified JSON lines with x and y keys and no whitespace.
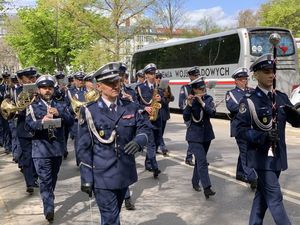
{"x":208,"y":26}
{"x":247,"y":18}
{"x":281,"y":13}
{"x":169,"y":14}
{"x":45,"y":37}
{"x":124,"y":21}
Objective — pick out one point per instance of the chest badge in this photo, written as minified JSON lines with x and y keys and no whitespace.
{"x":242,"y":108}
{"x":265,"y":119}
{"x":101,"y":133}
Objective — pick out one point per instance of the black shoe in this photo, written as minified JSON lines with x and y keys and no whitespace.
{"x":66,"y":155}
{"x":50,"y":216}
{"x":253,"y":185}
{"x":189,"y":162}
{"x":240,"y":178}
{"x":149,"y":169}
{"x":166,"y":153}
{"x":156,"y":172}
{"x":208,"y":192}
{"x":30,"y":190}
{"x":129,"y":205}
{"x":197,"y":188}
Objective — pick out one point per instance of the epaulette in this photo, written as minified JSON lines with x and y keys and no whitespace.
{"x":248,"y":95}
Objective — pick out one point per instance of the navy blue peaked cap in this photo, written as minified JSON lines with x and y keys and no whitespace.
{"x":30,"y":71}
{"x":123,"y":67}
{"x":198,"y":83}
{"x":240,"y":72}
{"x":60,"y":75}
{"x":45,"y":81}
{"x":79,"y":75}
{"x":150,"y":68}
{"x":265,"y":61}
{"x":194,"y":71}
{"x":109,"y":72}
{"x":6,"y":73}
{"x":140,"y":73}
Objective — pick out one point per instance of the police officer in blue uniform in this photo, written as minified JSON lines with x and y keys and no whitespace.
{"x":233,"y":98}
{"x":77,"y":91}
{"x":5,"y":131}
{"x":140,"y":77}
{"x":16,"y":151}
{"x":126,"y":91}
{"x":25,"y":134}
{"x":70,"y":78}
{"x":60,"y":90}
{"x":111,"y":131}
{"x":130,"y":95}
{"x":146,"y":94}
{"x":185,"y":91}
{"x":255,"y":127}
{"x":48,"y":142}
{"x":165,"y":111}
{"x":197,"y":113}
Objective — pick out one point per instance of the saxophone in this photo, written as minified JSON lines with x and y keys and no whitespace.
{"x":155,"y":105}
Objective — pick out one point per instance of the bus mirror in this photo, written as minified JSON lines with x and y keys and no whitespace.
{"x":211,"y":84}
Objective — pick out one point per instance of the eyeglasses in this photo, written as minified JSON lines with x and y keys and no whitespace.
{"x":157,"y":77}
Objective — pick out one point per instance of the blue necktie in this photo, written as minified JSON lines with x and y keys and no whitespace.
{"x":112,"y":108}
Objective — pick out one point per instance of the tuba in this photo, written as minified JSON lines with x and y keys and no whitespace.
{"x":155,"y":105}
{"x":90,"y":96}
{"x":9,"y":109}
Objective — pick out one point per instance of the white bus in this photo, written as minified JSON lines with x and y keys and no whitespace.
{"x":217,"y":56}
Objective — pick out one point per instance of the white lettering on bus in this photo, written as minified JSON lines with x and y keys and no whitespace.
{"x":222,"y":71}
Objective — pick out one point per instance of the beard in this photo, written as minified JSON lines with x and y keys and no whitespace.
{"x":47,"y":96}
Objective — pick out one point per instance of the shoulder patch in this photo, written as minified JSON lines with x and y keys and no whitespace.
{"x":227,"y":97}
{"x":242,"y":108}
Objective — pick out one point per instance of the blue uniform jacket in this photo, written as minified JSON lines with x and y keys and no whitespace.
{"x":201,"y":131}
{"x":185,"y":90}
{"x":106,"y":165}
{"x":42,"y":147}
{"x":145,"y":93}
{"x":233,"y":97}
{"x":59,"y":93}
{"x":23,"y":131}
{"x":165,"y":109}
{"x":258,"y":144}
{"x":130,"y":92}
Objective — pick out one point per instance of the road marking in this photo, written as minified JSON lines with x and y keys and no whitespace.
{"x":288,"y":195}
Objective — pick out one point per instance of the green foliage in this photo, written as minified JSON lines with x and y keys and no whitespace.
{"x":47,"y":37}
{"x":281,"y":13}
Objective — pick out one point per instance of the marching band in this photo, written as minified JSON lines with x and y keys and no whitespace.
{"x":111,"y":120}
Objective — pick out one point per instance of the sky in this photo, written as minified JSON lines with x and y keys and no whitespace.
{"x":223,"y":12}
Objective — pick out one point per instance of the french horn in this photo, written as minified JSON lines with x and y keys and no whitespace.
{"x":9,"y":108}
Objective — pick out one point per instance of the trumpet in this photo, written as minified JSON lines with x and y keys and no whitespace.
{"x":9,"y":109}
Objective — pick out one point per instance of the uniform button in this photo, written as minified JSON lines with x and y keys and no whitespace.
{"x":116,"y":126}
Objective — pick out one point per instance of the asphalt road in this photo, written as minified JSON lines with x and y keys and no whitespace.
{"x":168,"y":200}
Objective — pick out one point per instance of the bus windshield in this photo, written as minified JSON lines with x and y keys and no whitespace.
{"x":259,"y":43}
